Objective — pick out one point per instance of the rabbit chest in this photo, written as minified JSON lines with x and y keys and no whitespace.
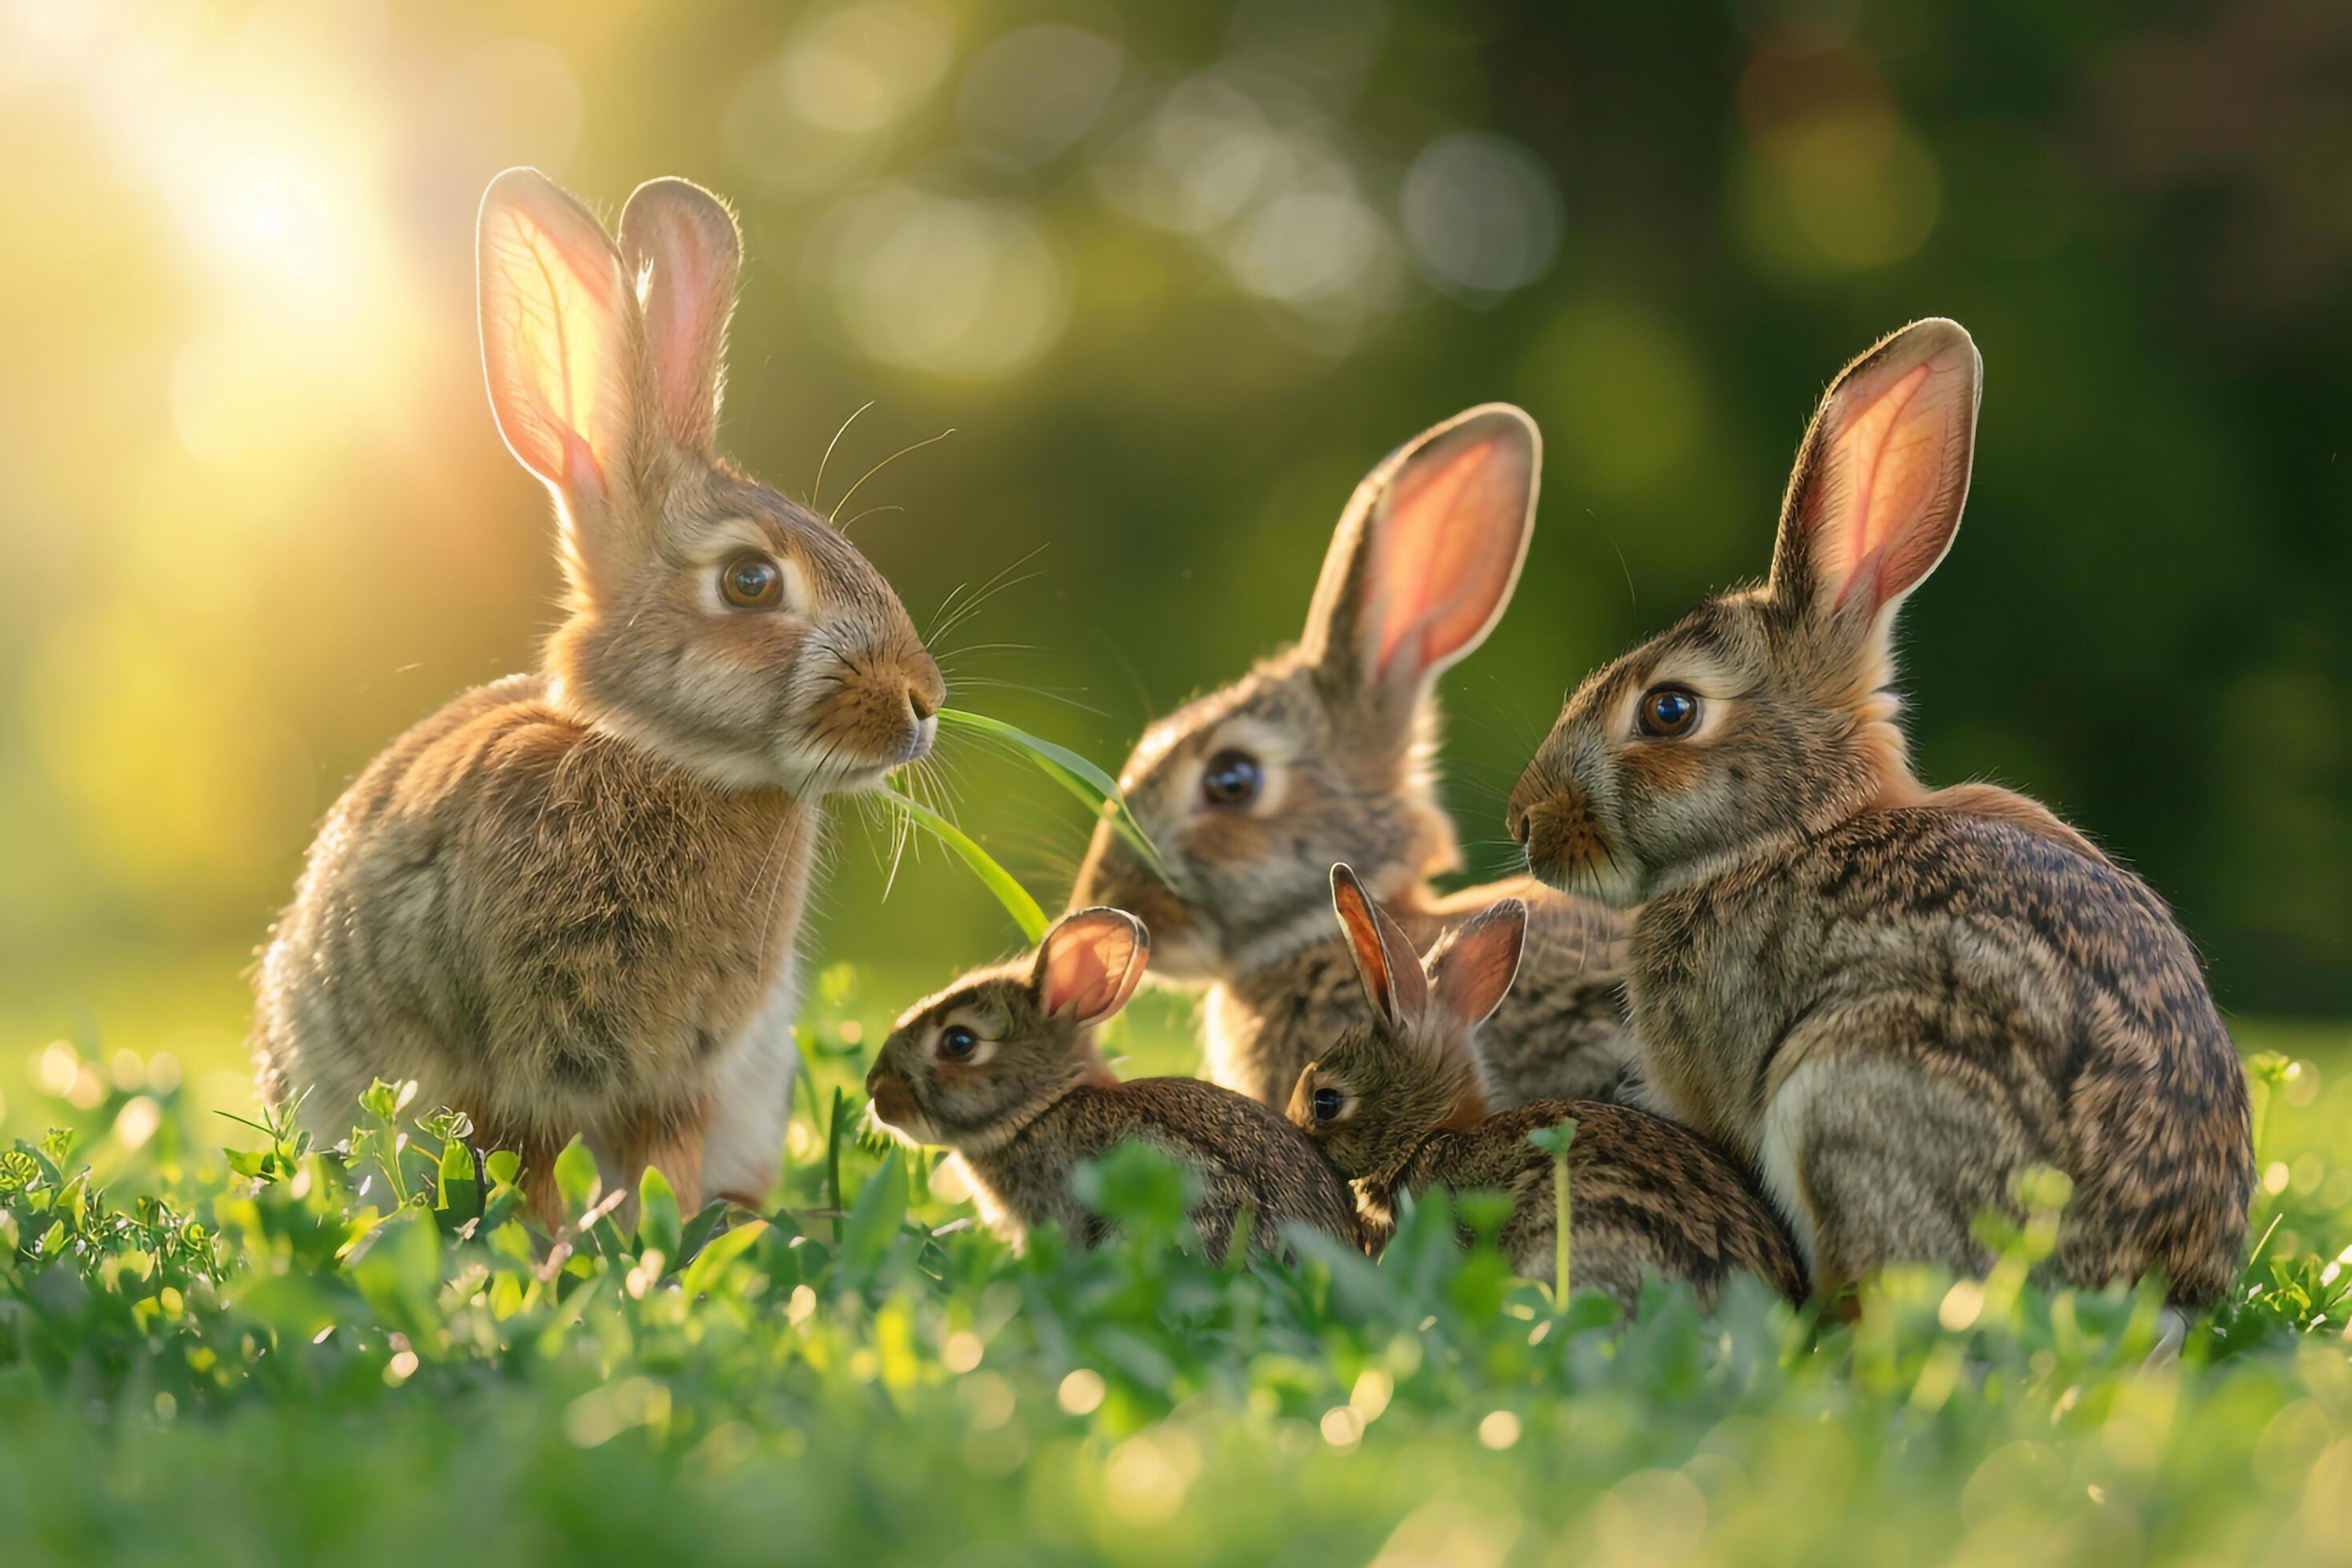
{"x":568,"y":926}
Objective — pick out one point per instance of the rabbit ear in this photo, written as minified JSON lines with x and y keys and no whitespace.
{"x":1090,"y":963}
{"x":1471,"y":972}
{"x":558,"y":338}
{"x":682,"y":252}
{"x":1385,"y":960}
{"x":1876,"y":495}
{"x":1426,"y":555}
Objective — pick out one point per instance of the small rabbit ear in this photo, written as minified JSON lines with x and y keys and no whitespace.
{"x":1471,"y":972}
{"x":682,"y":252}
{"x":1385,"y":960}
{"x":1880,"y":480}
{"x":1090,"y":963}
{"x":1426,"y":555}
{"x":558,"y":338}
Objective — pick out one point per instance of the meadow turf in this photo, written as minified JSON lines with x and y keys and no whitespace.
{"x":219,"y":1346}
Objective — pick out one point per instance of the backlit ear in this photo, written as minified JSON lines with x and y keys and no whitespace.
{"x":1385,"y":960}
{"x":1426,"y":555}
{"x":1090,"y":963}
{"x":1471,"y":972}
{"x":559,"y":337}
{"x":1879,"y":483}
{"x":683,"y":253}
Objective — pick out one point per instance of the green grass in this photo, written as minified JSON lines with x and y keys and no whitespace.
{"x":269,"y":1356}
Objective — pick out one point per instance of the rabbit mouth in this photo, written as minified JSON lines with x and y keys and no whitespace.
{"x":830,"y":772}
{"x":892,"y":1110}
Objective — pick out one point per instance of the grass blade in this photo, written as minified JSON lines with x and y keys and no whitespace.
{"x":1074,"y":773}
{"x":995,"y":877}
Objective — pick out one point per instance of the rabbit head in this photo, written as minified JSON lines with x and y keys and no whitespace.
{"x":1769,"y":710}
{"x":727,"y":629}
{"x":970,"y":1067}
{"x":1386,"y":1085}
{"x":1325,"y":751}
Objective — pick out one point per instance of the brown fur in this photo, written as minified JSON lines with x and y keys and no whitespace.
{"x":567,"y":903}
{"x":1024,"y":1115}
{"x":1893,"y":1000}
{"x":1647,"y":1196}
{"x":1348,"y":745}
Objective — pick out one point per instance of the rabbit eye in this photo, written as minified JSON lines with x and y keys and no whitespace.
{"x":957,"y":1043}
{"x":751,"y":583}
{"x":1668,"y":713}
{"x":1231,"y":779}
{"x":1327,"y":1104}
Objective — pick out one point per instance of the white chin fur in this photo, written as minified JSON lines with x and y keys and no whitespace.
{"x":914,"y":1131}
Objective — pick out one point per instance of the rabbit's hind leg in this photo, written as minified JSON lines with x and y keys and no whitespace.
{"x":1878,"y":1160}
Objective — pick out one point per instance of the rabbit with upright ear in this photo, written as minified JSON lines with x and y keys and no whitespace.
{"x":1002,"y":1069}
{"x":1326,"y":752}
{"x":1394,"y":1105}
{"x":1892,"y":999}
{"x":567,"y":903}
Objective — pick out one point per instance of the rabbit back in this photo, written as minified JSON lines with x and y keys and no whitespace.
{"x":1906,"y":1011}
{"x":1647,"y":1197}
{"x":1245,"y":1156}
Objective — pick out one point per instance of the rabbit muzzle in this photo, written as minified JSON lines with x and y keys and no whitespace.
{"x":894,"y":1102}
{"x":1554,"y":820}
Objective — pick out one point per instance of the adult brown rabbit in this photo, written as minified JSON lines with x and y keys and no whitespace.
{"x":567,"y":903}
{"x":1892,"y":999}
{"x":1002,"y":1069}
{"x":1392,"y":1104}
{"x":1326,"y":752}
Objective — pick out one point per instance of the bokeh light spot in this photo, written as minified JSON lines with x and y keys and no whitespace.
{"x":956,"y":286}
{"x":1481,"y":213}
{"x":1033,"y":93}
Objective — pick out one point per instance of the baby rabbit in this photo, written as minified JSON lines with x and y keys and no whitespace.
{"x":1327,"y":751}
{"x":1393,"y":1106}
{"x":1002,"y":1069}
{"x":567,"y":903}
{"x":1892,"y":999}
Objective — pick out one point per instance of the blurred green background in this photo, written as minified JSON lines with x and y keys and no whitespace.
{"x":1175,"y":275}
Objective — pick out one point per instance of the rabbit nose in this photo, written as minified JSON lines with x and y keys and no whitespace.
{"x":1519,"y":821}
{"x":921,"y":705}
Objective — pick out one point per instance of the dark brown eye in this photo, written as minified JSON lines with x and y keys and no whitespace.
{"x":751,"y":583}
{"x":1327,"y":1104}
{"x":1231,"y":779}
{"x":1668,"y":713}
{"x":957,"y":1043}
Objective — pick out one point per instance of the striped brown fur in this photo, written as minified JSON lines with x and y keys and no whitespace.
{"x":1893,"y":1000}
{"x":1394,"y":1106}
{"x":1343,"y":728}
{"x":567,"y":903}
{"x":1022,"y":1097}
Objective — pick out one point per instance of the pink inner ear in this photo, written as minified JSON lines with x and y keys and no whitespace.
{"x":678,"y":333}
{"x":1892,"y":459}
{"x":551,"y":303}
{"x":1449,"y":545}
{"x":1091,"y":967}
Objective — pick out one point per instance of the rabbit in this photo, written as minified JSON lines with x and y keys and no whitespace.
{"x":1891,"y":999}
{"x":568,"y":902}
{"x":1326,"y":752}
{"x":1394,"y":1106}
{"x":1002,"y":1069}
